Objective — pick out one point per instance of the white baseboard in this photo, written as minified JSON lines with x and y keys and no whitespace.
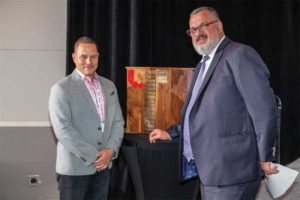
{"x":25,"y":124}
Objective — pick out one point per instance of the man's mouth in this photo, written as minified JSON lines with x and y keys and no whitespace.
{"x":201,"y":38}
{"x":88,"y":66}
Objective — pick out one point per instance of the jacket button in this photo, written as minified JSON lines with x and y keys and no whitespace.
{"x":99,"y":128}
{"x":99,"y":143}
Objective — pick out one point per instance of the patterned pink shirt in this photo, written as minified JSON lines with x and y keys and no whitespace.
{"x":94,"y":87}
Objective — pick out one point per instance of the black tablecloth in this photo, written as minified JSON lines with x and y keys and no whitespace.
{"x":148,"y":171}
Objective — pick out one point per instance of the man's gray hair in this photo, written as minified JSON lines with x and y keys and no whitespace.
{"x":209,"y":9}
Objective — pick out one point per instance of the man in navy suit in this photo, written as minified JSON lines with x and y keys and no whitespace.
{"x":228,"y":122}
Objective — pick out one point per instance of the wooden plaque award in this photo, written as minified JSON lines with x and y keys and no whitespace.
{"x":155,"y":96}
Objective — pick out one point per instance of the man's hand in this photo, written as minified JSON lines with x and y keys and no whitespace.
{"x":103,"y":159}
{"x":268,"y":169}
{"x":158,"y":134}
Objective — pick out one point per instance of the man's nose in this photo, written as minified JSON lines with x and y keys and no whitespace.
{"x":89,"y":60}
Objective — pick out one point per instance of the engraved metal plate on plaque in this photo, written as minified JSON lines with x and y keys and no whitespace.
{"x":149,"y":100}
{"x":161,"y":76}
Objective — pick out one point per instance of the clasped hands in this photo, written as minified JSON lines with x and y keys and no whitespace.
{"x":104,"y":157}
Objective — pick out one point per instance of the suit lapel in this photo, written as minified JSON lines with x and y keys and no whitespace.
{"x":106,"y":98}
{"x":209,"y":73}
{"x":79,"y":83}
{"x":213,"y":64}
{"x":109,"y":93}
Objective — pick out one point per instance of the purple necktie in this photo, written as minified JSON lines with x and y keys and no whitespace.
{"x":187,"y":150}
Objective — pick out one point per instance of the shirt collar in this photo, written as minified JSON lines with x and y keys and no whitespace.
{"x":82,"y":76}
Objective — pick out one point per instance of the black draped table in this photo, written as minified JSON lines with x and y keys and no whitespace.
{"x":148,"y":171}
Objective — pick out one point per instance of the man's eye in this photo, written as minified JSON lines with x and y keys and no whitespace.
{"x":93,"y":57}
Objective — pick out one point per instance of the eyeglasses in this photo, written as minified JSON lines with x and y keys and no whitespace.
{"x":202,"y":26}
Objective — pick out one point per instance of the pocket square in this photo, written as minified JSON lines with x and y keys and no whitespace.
{"x":189,"y":170}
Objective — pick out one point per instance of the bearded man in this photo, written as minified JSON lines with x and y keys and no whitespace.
{"x":228,"y":122}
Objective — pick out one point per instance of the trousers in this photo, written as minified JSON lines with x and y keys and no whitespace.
{"x":245,"y":191}
{"x":87,"y":187}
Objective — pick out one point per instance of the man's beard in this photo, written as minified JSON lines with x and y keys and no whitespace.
{"x":206,"y":49}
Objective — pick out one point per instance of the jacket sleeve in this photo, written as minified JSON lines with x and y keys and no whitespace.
{"x":252,"y":79}
{"x":67,"y":135}
{"x":174,"y":131}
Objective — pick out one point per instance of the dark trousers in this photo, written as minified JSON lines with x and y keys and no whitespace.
{"x":90,"y":187}
{"x":245,"y":191}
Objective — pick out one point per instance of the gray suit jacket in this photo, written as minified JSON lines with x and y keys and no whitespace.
{"x":76,"y":124}
{"x":233,"y":121}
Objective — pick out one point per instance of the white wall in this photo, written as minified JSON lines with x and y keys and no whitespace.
{"x":32,"y":57}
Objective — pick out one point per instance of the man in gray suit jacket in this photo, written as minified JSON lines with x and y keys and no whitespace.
{"x":88,"y":123}
{"x":228,"y":122}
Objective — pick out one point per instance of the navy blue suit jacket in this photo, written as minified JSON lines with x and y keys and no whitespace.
{"x":233,"y":121}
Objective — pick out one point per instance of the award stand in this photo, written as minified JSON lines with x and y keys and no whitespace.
{"x":155,"y":96}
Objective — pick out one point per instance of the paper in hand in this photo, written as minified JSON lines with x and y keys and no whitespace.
{"x":278,"y":184}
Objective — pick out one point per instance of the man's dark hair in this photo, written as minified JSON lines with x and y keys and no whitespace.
{"x":84,"y":40}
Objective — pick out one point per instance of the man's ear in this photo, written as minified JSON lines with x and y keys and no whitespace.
{"x":220,"y":26}
{"x":74,"y":57}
